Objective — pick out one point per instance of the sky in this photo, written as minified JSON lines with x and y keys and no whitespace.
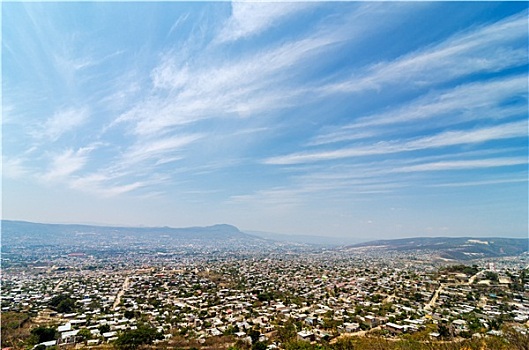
{"x":343,"y":119}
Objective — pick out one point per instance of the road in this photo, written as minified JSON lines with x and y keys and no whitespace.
{"x":432,"y":301}
{"x":434,"y":298}
{"x":58,"y":285}
{"x":471,"y":279}
{"x":125,"y":285}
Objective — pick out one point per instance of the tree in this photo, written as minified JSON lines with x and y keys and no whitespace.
{"x":287,"y":332}
{"x":259,"y":346}
{"x":133,"y":339}
{"x":43,"y":334}
{"x":62,"y":303}
{"x":254,"y":335}
{"x":84,"y":334}
{"x":491,"y":276}
{"x":444,"y":331}
{"x":104,"y":328}
{"x":344,"y":344}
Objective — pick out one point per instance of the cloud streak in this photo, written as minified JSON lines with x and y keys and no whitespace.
{"x":444,"y":139}
{"x":249,"y":19}
{"x":465,"y":164}
{"x":488,"y":49}
{"x":62,"y":122}
{"x":67,"y":163}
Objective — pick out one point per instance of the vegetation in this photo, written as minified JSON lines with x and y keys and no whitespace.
{"x":467,"y":270}
{"x":133,"y":339}
{"x":14,"y":328}
{"x":512,"y":341}
{"x":42,"y":334}
{"x":62,"y":303}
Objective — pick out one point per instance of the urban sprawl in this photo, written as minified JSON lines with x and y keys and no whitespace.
{"x":259,"y":300}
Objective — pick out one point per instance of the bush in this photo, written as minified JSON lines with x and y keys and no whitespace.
{"x":62,"y":303}
{"x":132,"y":339}
{"x":43,"y":334}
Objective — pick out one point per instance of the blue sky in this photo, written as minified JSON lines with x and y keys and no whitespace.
{"x":353,"y":119}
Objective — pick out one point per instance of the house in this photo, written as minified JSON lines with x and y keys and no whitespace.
{"x":47,"y":343}
{"x":459,"y":326}
{"x":65,"y":328}
{"x":394,"y":328}
{"x":92,"y":342}
{"x":305,"y":335}
{"x":351,"y":327}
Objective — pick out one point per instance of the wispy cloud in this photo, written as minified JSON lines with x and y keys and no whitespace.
{"x":482,"y":183}
{"x":480,"y":100}
{"x":485,"y":100}
{"x":13,"y":168}
{"x":67,"y":163}
{"x":231,"y":89}
{"x":104,"y":185}
{"x":63,"y":121}
{"x":251,"y":18}
{"x":444,"y":139}
{"x":158,"y":149}
{"x":187,"y":90}
{"x":465,"y":164}
{"x":490,"y":48}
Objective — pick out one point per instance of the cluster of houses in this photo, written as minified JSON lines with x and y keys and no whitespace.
{"x":322,"y":295}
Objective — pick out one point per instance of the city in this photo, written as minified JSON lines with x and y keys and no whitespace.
{"x":255,"y":299}
{"x":264,"y":175}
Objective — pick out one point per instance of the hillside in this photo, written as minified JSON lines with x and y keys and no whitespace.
{"x":454,"y":248}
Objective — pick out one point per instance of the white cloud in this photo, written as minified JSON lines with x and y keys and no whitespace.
{"x":251,"y":85}
{"x":482,"y":183}
{"x":479,"y":100}
{"x":13,"y":168}
{"x":251,"y":18}
{"x":189,"y":87}
{"x":67,"y":163}
{"x":464,"y":164}
{"x":451,"y":138}
{"x":487,"y":49}
{"x":444,"y":139}
{"x":61,"y":122}
{"x":158,"y":149}
{"x":105,"y":185}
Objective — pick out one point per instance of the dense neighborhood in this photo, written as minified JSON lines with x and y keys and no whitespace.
{"x":260,"y":300}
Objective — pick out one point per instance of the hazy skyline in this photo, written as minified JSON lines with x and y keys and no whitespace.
{"x":354,"y":119}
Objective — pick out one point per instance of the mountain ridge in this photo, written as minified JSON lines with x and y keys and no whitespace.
{"x":44,"y":233}
{"x":453,"y":248}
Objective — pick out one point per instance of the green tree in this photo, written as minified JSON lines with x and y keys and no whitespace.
{"x":346,"y":343}
{"x":62,"y":303}
{"x":84,"y":334}
{"x":104,"y":328}
{"x":287,"y":332}
{"x":42,"y":334}
{"x":254,"y":335}
{"x":259,"y":346}
{"x":444,"y":331}
{"x":493,"y":276}
{"x":133,"y":339}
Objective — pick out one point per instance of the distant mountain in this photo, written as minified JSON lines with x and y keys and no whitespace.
{"x":31,"y":234}
{"x":306,"y":239}
{"x":454,"y":248}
